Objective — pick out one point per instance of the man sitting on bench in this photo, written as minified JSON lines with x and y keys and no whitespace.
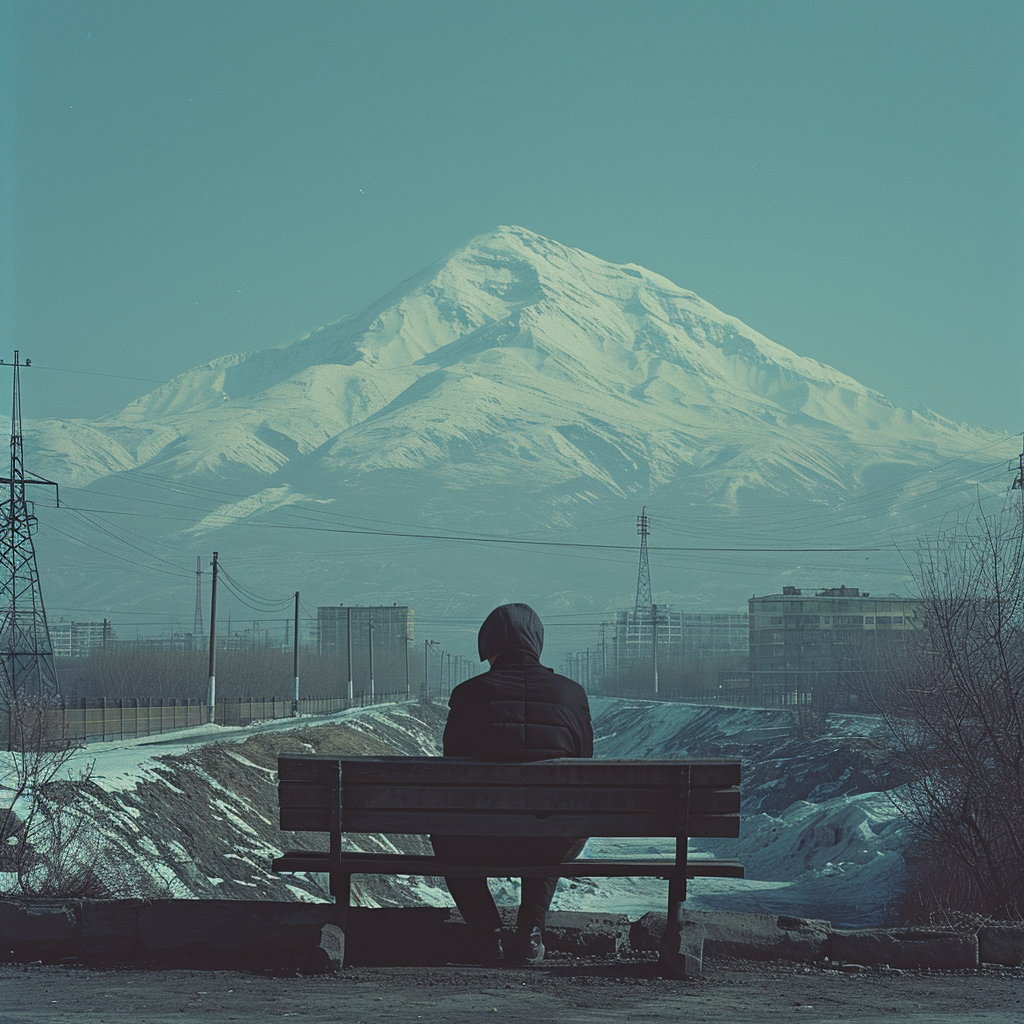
{"x":517,"y":711}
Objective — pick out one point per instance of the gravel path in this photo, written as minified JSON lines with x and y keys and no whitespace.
{"x":570,"y":991}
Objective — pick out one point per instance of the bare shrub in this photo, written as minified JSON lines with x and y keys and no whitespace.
{"x":48,"y":847}
{"x":956,"y":717}
{"x":131,"y":673}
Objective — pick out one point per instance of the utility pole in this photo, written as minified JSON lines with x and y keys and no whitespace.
{"x":408,"y":684}
{"x":370,"y":620}
{"x":604,"y":655}
{"x":348,"y":644}
{"x":295,"y":653}
{"x":212,"y":697}
{"x":426,"y":673}
{"x":429,"y":645}
{"x":197,"y":622}
{"x":654,"y":643}
{"x":26,"y":650}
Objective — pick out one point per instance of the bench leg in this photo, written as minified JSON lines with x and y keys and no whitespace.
{"x":682,"y":945}
{"x":332,"y":935}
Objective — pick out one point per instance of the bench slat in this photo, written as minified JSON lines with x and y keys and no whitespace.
{"x":414,"y":771}
{"x":410,"y":864}
{"x":419,"y":821}
{"x":555,"y":798}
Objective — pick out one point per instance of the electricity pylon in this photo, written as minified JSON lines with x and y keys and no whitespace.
{"x":643,"y":579}
{"x":26,"y":652}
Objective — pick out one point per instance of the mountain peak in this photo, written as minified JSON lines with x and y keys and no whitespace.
{"x":516,"y":334}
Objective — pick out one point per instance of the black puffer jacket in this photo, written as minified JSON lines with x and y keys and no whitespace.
{"x":519,"y":710}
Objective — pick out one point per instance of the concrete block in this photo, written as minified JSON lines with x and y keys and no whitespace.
{"x":109,"y":931}
{"x":234,"y":933}
{"x":742,"y":936}
{"x":586,"y":934}
{"x":1001,"y":944}
{"x":38,"y":930}
{"x":906,"y":947}
{"x":330,"y":956}
{"x":418,"y":936}
{"x":684,"y":959}
{"x":406,"y":937}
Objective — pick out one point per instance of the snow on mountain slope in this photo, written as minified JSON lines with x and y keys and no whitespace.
{"x":592,"y":367}
{"x":75,"y":453}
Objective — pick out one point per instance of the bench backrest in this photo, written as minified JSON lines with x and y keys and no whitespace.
{"x":456,"y":796}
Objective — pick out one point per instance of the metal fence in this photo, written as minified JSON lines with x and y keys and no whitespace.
{"x":101,"y":719}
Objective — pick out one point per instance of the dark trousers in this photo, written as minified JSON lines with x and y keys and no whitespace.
{"x":472,"y":895}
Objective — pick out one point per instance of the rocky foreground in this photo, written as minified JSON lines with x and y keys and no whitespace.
{"x":569,"y":992}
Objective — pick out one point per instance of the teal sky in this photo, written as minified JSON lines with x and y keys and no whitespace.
{"x":183,"y":180}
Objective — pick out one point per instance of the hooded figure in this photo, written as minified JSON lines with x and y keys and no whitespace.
{"x":517,"y":711}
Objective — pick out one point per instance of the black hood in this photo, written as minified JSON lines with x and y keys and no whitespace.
{"x":511,"y":627}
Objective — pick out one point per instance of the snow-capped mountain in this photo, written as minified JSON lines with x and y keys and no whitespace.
{"x":517,"y":385}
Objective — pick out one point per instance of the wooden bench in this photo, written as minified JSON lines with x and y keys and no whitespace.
{"x":681,"y":799}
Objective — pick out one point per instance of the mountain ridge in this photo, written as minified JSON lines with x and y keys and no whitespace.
{"x":519,"y":384}
{"x":508,"y":307}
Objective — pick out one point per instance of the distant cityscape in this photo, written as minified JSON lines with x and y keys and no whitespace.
{"x":782,"y":647}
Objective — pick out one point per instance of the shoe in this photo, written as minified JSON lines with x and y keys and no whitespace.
{"x":528,"y":947}
{"x":490,"y":948}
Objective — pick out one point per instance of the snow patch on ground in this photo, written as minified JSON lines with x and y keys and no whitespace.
{"x":192,"y":819}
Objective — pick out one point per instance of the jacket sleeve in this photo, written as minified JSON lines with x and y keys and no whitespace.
{"x":458,"y":728}
{"x":586,"y":731}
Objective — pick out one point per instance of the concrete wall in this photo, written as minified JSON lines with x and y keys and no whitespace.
{"x":306,"y":937}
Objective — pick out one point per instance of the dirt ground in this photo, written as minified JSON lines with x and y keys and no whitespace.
{"x":570,"y":991}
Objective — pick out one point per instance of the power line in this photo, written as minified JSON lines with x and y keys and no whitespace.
{"x":492,"y":539}
{"x":249,"y":597}
{"x":111,"y":554}
{"x":96,"y":373}
{"x":485,"y":539}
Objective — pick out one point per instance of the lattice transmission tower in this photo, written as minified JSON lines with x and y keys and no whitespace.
{"x":26,"y":652}
{"x":644,"y":602}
